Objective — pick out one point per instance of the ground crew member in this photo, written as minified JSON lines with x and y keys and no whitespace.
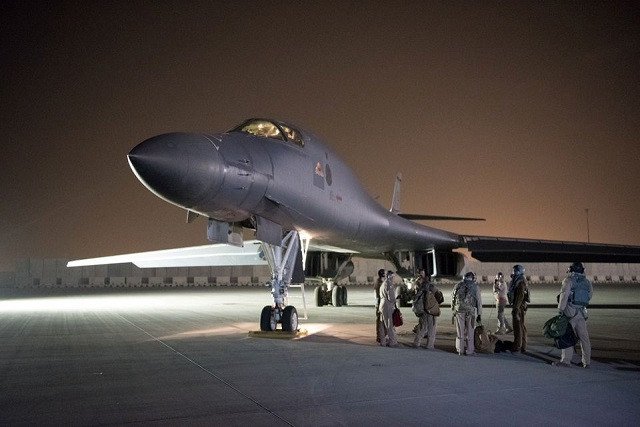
{"x":426,"y":321}
{"x":466,"y":303}
{"x":386,"y":306}
{"x":575,"y":294}
{"x":518,"y":295}
{"x":500,"y":294}
{"x":380,"y":328}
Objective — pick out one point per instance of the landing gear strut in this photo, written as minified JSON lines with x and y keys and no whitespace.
{"x":281,"y":260}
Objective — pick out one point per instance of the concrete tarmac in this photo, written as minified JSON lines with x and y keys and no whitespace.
{"x":184,"y":357}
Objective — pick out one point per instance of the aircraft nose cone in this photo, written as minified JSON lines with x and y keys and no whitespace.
{"x":181,"y":168}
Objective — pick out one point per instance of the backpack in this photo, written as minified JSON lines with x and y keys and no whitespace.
{"x":419,"y":304}
{"x":580,"y":293}
{"x":484,"y":342}
{"x":465,"y":298}
{"x":431,"y":304}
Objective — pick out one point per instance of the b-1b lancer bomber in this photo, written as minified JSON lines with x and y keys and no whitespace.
{"x":309,"y":212}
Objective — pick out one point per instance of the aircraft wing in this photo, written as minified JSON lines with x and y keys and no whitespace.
{"x":329,"y":248}
{"x":503,"y":249}
{"x":195,"y":256}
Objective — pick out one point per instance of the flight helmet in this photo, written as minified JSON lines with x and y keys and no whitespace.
{"x":576,"y":267}
{"x":518,"y":270}
{"x":470,"y":277}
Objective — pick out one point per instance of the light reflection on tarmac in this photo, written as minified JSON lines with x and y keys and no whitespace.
{"x":183,"y":356}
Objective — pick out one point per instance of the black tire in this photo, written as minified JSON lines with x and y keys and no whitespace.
{"x":318,"y":295}
{"x":289,"y":319}
{"x":267,"y":320}
{"x":336,"y":296}
{"x":344,"y":295}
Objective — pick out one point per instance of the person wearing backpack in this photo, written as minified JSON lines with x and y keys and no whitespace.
{"x":426,"y":306}
{"x":466,"y":303}
{"x":575,"y":294}
{"x":518,"y":296}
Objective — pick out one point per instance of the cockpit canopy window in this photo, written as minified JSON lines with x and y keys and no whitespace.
{"x":269,"y":129}
{"x":293,"y":135}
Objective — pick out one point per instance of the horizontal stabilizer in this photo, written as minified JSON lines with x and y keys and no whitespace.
{"x":502,"y":249}
{"x":196,"y":256}
{"x":438,"y":217}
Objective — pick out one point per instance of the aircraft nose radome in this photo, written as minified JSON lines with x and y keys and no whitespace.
{"x":179,"y":167}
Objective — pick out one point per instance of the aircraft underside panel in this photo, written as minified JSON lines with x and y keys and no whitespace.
{"x":496,"y":249}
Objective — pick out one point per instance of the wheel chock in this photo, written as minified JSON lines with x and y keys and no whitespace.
{"x":279,"y":334}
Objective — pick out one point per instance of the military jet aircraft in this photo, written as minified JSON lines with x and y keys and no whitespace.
{"x":309,"y":212}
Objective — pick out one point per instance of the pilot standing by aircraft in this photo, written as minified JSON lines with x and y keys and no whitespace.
{"x":380,"y":327}
{"x":426,"y":320}
{"x":500,"y":294}
{"x":575,"y":295}
{"x":518,"y":296}
{"x":386,"y":307}
{"x":466,"y":301}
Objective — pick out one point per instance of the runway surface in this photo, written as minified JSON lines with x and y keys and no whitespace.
{"x":183,"y":356}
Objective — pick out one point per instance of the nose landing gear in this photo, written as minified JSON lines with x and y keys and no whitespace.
{"x":281,"y":260}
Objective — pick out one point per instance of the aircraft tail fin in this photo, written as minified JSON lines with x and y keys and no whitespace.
{"x":395,"y":208}
{"x":395,"y":201}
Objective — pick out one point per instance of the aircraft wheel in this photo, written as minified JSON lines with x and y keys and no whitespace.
{"x":289,"y":319}
{"x":318,"y":295}
{"x":268,"y":319}
{"x":336,"y":296}
{"x":344,"y":295}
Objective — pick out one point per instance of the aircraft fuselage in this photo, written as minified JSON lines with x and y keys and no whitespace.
{"x":299,"y":183}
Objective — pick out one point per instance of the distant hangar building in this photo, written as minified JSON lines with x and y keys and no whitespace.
{"x":53,"y":273}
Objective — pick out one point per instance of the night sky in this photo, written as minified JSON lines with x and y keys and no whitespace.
{"x":522,"y":113}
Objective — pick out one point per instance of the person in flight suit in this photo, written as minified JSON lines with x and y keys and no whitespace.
{"x":386,"y":306}
{"x":466,"y":303}
{"x":380,"y":328}
{"x":575,"y":294}
{"x":500,"y":294}
{"x":518,"y":296}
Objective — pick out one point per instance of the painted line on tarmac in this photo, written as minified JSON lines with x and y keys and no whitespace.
{"x":212,"y":374}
